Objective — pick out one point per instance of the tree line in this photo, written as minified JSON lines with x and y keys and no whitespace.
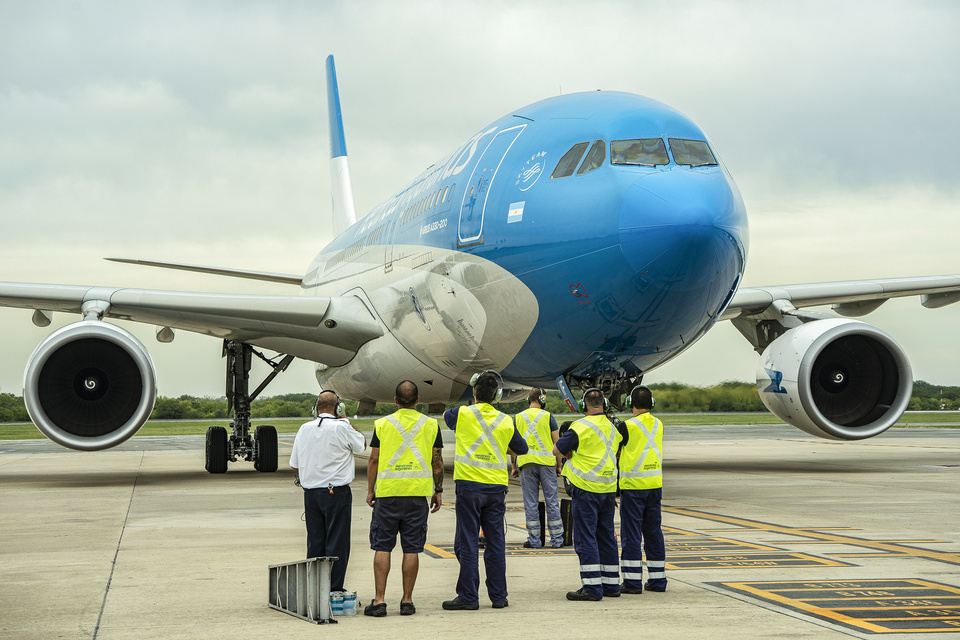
{"x":671,"y":397}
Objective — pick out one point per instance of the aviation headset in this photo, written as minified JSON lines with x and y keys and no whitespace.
{"x":629,"y":402}
{"x":476,"y":377}
{"x":583,"y":404}
{"x":541,"y":397}
{"x":338,"y":412}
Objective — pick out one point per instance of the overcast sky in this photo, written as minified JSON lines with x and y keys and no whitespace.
{"x":196,"y":132}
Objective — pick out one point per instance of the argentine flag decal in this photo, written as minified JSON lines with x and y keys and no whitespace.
{"x":515,"y":213}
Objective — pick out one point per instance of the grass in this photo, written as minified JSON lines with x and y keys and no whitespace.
{"x":26,"y":431}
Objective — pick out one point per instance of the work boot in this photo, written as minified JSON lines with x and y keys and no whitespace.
{"x":580,"y":594}
{"x":459,"y":605}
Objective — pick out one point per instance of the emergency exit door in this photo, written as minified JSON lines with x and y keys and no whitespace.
{"x":474,"y":204}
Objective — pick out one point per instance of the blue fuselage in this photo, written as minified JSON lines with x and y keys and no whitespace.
{"x":565,"y":261}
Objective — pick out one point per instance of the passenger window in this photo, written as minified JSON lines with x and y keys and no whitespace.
{"x":568,"y":163}
{"x":647,"y":152}
{"x":594,"y":158}
{"x":695,"y":153}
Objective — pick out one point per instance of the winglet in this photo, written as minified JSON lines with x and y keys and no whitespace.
{"x":344,"y":212}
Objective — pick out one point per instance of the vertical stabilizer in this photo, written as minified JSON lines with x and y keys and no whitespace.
{"x":344,"y":212}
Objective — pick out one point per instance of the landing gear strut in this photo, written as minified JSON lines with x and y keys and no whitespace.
{"x":615,"y":388}
{"x":261,"y":449}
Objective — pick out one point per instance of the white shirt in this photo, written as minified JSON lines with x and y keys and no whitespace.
{"x":323,"y":452}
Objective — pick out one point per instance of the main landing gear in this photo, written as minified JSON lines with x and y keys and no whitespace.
{"x":261,"y":449}
{"x":615,"y":387}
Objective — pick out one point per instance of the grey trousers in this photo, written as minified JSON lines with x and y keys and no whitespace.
{"x":532,"y":478}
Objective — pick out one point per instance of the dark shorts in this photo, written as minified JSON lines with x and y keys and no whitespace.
{"x":406,"y":515}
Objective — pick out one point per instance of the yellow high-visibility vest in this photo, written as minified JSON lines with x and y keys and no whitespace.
{"x":534,"y":426}
{"x":405,"y":467}
{"x":483,"y":436}
{"x":593,"y":466}
{"x":641,"y":461}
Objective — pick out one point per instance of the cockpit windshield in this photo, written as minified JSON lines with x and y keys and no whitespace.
{"x":694,"y":153}
{"x":647,"y":152}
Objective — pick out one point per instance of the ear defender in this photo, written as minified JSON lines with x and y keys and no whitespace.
{"x":583,"y":405}
{"x":629,"y":403}
{"x":542,"y":398}
{"x":476,"y":377}
{"x":338,"y":412}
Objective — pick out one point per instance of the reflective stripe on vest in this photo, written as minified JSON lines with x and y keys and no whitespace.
{"x":602,"y":477}
{"x":469,"y":463}
{"x":538,"y":453}
{"x":414,"y":477}
{"x":643,"y":471}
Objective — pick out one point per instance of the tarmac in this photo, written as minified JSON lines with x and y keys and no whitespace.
{"x":770,"y":534}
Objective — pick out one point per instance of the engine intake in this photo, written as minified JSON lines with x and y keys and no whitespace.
{"x":89,"y":386}
{"x":839,"y":379}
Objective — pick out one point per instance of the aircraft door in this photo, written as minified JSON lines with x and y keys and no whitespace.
{"x":388,"y":257}
{"x":473,"y":206}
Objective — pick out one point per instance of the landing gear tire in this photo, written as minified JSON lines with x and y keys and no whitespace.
{"x":216,"y":450}
{"x":265,"y":439}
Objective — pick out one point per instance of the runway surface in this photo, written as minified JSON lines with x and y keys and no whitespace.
{"x":771,"y":533}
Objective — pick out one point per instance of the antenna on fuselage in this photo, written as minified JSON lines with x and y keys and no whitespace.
{"x":341,"y":191}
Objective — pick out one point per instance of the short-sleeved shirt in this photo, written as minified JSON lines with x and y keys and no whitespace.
{"x":323,"y":452}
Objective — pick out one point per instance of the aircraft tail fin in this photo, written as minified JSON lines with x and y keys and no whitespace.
{"x":344,"y":212}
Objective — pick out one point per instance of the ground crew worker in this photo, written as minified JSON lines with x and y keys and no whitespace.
{"x":641,"y":482}
{"x":591,"y":445}
{"x":399,"y":481}
{"x":322,"y":457}
{"x":484,"y":439}
{"x":538,"y":468}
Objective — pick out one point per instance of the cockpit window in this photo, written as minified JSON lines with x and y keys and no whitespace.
{"x":647,"y":152}
{"x":695,"y":153}
{"x":594,"y":158}
{"x":568,"y":163}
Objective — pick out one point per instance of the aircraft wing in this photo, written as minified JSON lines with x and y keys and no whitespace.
{"x":322,"y":329}
{"x":851,"y":298}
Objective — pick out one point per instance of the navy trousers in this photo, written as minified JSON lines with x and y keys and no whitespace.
{"x":640,"y":528}
{"x":328,"y":528}
{"x":476,"y":510}
{"x":595,"y":542}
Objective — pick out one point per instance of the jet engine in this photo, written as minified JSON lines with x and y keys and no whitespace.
{"x":839,"y":379}
{"x":89,"y":385}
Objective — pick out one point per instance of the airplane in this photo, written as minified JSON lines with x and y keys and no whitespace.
{"x":580,"y":241}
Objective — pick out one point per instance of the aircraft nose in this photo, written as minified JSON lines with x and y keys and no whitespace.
{"x":682,"y":225}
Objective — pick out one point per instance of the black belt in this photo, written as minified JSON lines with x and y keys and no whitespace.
{"x":330,"y":488}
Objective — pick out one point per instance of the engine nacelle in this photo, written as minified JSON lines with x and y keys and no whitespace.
{"x":89,"y":385}
{"x":840,"y":379}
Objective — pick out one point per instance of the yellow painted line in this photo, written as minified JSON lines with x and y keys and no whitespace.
{"x":443,"y":553}
{"x":807,"y":607}
{"x":754,"y":528}
{"x":905,"y":608}
{"x":891,"y":547}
